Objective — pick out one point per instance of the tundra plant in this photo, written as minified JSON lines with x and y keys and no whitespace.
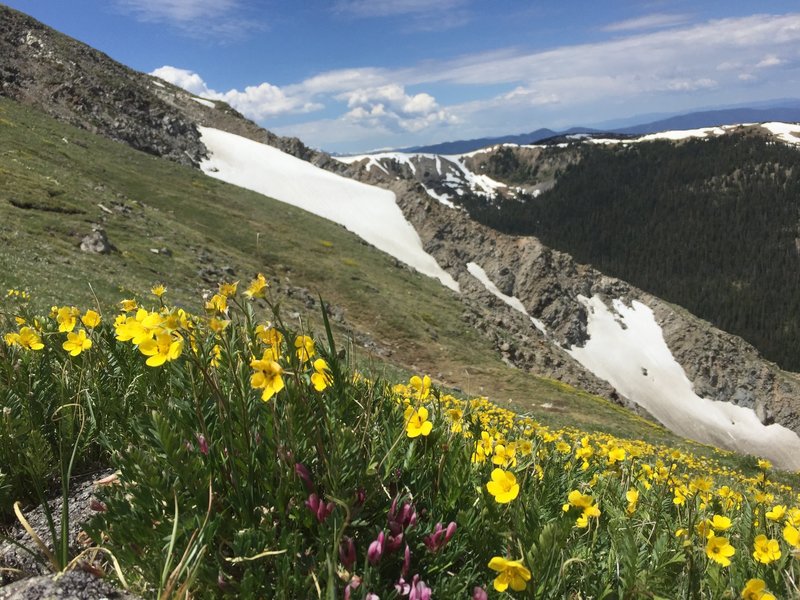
{"x":253,"y":460}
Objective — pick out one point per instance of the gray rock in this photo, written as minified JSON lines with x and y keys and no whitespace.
{"x":97,"y":242}
{"x":72,"y":585}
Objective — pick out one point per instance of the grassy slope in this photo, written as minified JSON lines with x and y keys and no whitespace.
{"x":185,"y":211}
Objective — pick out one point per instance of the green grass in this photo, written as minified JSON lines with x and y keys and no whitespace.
{"x":53,"y":177}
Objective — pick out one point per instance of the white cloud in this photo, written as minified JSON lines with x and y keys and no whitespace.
{"x":690,"y":85}
{"x":256,"y":101}
{"x":188,"y":80}
{"x":391,"y":108}
{"x":654,"y":21}
{"x":769,"y":61}
{"x":385,"y":8}
{"x":218,"y":18}
{"x":531,"y":97}
{"x":177,"y":10}
{"x":716,"y":62}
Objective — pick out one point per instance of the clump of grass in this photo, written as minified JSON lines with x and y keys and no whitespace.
{"x":254,"y":460}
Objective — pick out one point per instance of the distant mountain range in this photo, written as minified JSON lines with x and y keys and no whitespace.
{"x":789,"y":112}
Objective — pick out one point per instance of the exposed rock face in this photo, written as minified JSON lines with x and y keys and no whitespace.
{"x":82,"y":86}
{"x":73,"y":585}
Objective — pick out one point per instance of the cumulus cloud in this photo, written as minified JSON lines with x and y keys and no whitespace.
{"x":390,"y":107}
{"x":256,"y":101}
{"x":644,"y":67}
{"x":769,"y":61}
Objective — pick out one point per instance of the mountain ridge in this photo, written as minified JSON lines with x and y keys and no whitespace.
{"x":690,"y":120}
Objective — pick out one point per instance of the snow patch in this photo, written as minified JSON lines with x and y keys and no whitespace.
{"x":369,"y":212}
{"x":478,"y":273}
{"x":786,"y":132}
{"x":204,"y":102}
{"x":626,"y":348}
{"x":443,"y":198}
{"x":539,"y":325}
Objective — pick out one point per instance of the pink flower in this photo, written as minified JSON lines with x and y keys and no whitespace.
{"x":405,"y":517}
{"x":375,"y":550}
{"x":419,"y":591}
{"x":436,"y":540}
{"x":203,"y":444}
{"x":355,"y":581}
{"x":305,"y":476}
{"x":320,"y":510}
{"x":479,"y":594}
{"x":406,"y":561}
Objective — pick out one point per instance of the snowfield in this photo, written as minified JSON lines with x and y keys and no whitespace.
{"x":626,"y":348}
{"x":369,"y":212}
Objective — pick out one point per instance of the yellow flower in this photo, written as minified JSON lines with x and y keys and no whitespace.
{"x":322,"y":378}
{"x":257,"y":287}
{"x":766,"y":550}
{"x":218,"y":325}
{"x":720,"y":523}
{"x":417,"y":422}
{"x":26,"y":338}
{"x":615,"y":455}
{"x":632,"y":496}
{"x":77,"y":343}
{"x":777,"y":513}
{"x":164,"y":347}
{"x":216,"y":355}
{"x":91,"y":319}
{"x":755,"y":589}
{"x":67,"y":317}
{"x":228,"y":289}
{"x":267,"y":376}
{"x":719,"y":550}
{"x":217,"y":303}
{"x":128,"y":305}
{"x":701,"y":484}
{"x":503,"y":486}
{"x":305,"y":348}
{"x":525,"y":447}
{"x":158,"y":290}
{"x":511,"y":573}
{"x":420,"y":386}
{"x":791,"y":535}
{"x":575,"y":498}
{"x":483,"y":448}
{"x":764,"y":464}
{"x":505,"y":455}
{"x":270,"y":336}
{"x":456,"y":416}
{"x":589,"y":512}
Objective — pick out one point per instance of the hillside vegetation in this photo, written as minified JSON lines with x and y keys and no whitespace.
{"x":254,"y":460}
{"x":712,"y":225}
{"x":400,"y":321}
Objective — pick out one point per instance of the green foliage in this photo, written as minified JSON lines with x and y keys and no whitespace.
{"x":228,"y":487}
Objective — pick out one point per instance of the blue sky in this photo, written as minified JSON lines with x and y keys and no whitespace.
{"x":355,"y":75}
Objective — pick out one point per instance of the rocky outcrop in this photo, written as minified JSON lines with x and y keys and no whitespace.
{"x":72,"y":585}
{"x":82,"y":86}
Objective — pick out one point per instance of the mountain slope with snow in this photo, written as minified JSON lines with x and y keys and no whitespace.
{"x":626,"y":347}
{"x":368,"y":211}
